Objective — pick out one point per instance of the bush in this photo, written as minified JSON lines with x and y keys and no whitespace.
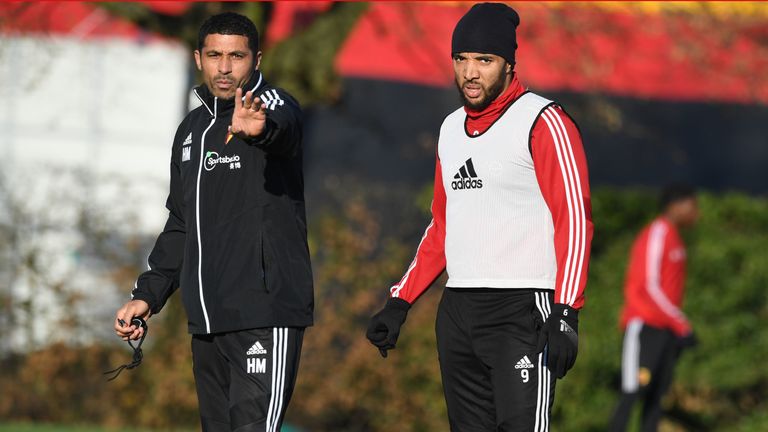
{"x":66,"y":384}
{"x":719,"y":382}
{"x":344,"y":385}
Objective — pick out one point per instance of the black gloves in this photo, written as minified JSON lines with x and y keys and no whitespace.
{"x":688,"y":341}
{"x":384,"y":327}
{"x":559,"y":335}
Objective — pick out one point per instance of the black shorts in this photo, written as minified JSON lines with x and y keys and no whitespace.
{"x":648,"y":356}
{"x":647,"y":366}
{"x":245,"y":379}
{"x":492,"y":378}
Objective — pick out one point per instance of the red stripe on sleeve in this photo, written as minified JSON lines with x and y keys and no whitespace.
{"x":561,"y":171}
{"x":429,"y":261}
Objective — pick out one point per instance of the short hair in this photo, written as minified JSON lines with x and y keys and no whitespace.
{"x":229,"y":23}
{"x":675,"y":192}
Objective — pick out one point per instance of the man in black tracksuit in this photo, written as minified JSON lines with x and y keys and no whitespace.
{"x":235,"y":240}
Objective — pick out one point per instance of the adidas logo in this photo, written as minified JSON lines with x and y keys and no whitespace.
{"x":565,"y":328}
{"x":271,"y":99}
{"x":256,"y":349}
{"x":466,"y":178}
{"x":524,"y":363}
{"x":187,"y":140}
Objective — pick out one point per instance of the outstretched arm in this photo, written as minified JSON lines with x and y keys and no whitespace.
{"x":271,"y":121}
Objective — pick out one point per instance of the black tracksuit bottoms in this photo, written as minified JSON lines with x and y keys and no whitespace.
{"x":648,"y":362}
{"x":245,"y":378}
{"x":492,"y":379}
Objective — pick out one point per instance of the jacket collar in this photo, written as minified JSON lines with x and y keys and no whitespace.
{"x":217,"y":106}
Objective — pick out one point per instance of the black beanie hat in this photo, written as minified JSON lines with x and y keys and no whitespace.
{"x":487,"y":28}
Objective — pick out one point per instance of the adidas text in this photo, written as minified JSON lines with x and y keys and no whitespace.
{"x":256,"y":349}
{"x":524,"y":363}
{"x":467,"y":177}
{"x":466,"y":184}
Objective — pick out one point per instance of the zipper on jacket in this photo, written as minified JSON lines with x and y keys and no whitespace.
{"x":197,"y":216}
{"x":264,"y":264}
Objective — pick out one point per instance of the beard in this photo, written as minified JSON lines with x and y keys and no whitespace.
{"x":490,"y":93}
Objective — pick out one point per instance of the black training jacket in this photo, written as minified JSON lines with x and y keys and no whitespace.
{"x":236,"y":235}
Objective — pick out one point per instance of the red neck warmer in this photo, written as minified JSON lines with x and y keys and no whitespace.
{"x":478,"y":122}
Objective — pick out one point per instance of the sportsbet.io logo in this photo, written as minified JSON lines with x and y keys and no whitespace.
{"x":212,"y":159}
{"x":466,"y":178}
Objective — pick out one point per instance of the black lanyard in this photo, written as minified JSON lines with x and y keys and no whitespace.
{"x":138,"y":355}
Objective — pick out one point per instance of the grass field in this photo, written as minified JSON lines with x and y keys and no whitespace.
{"x":40,"y":427}
{"x":34,"y":427}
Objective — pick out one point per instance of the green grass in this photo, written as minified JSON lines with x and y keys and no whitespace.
{"x":43,"y":427}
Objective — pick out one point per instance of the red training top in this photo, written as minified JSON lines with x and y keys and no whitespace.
{"x":656,"y":279}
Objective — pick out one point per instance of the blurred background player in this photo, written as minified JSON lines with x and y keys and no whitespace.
{"x":512,"y":226}
{"x":655,"y":327}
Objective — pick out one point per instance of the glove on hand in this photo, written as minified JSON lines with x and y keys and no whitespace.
{"x":560,"y":336}
{"x":688,"y":341}
{"x":384,"y":327}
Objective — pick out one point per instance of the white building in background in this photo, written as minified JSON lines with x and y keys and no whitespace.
{"x":85,"y":124}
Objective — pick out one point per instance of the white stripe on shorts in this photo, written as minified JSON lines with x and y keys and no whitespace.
{"x":630,"y":356}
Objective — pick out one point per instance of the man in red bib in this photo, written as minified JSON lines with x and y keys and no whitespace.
{"x":512,"y":227}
